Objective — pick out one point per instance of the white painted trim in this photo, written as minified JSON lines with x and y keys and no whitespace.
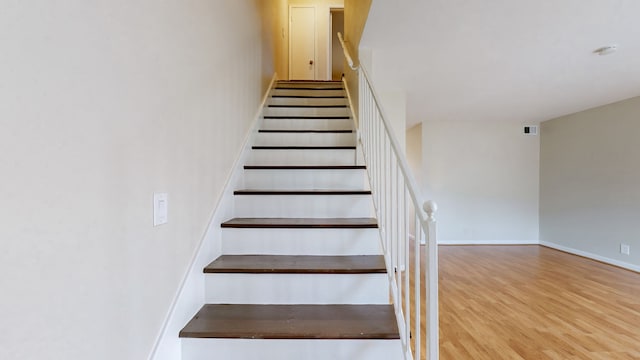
{"x":190,"y":294}
{"x":330,"y":47}
{"x":592,"y":256}
{"x":488,"y":242}
{"x":292,"y":349}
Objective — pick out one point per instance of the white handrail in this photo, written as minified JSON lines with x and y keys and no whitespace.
{"x":404,"y":166}
{"x":346,"y":53}
{"x":395,"y":194}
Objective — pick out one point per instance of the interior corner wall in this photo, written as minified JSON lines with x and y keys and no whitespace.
{"x":103,"y":104}
{"x":589,"y":182}
{"x":414,"y":159}
{"x":484,"y":177}
{"x":356,"y":13}
{"x":269,"y":40}
{"x":337,"y":56}
{"x":414,"y":151}
{"x":275,"y":30}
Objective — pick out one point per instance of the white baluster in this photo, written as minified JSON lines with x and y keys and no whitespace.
{"x":431,"y":278}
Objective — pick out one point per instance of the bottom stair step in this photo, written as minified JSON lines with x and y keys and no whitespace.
{"x":293,"y":322}
{"x":288,"y":264}
{"x":302,"y":223}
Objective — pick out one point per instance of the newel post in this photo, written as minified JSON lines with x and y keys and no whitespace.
{"x":431,"y":279}
{"x":430,"y":207}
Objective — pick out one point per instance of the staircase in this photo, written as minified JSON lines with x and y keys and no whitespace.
{"x":301,"y":275}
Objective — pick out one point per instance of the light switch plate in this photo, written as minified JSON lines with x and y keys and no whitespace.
{"x":160,"y":208}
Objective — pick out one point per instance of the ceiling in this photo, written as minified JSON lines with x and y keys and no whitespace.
{"x":520,"y":60}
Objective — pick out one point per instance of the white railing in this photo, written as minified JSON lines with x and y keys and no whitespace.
{"x":347,"y":56}
{"x":399,"y":209}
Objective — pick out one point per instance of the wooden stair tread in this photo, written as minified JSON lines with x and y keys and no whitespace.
{"x":309,"y":81}
{"x":309,"y":106}
{"x":301,"y":223}
{"x":306,"y":131}
{"x":318,"y":117}
{"x":308,"y":88}
{"x":301,"y":192}
{"x":293,"y":322}
{"x":296,"y":264}
{"x":305,"y":167}
{"x":319,"y":96}
{"x":281,"y":147}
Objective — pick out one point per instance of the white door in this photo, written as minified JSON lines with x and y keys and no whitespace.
{"x":302,"y":43}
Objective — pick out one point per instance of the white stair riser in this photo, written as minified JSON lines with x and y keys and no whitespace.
{"x":295,"y":349}
{"x":308,"y":101}
{"x":295,"y":111}
{"x":302,"y":157}
{"x":296,"y":289}
{"x":319,"y":206}
{"x":306,"y":139}
{"x":309,"y":84}
{"x":305,"y":179}
{"x":311,"y":206}
{"x":307,"y":124}
{"x":300,"y":242}
{"x":314,"y":93}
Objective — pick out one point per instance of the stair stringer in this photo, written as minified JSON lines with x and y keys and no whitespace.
{"x":190,"y":295}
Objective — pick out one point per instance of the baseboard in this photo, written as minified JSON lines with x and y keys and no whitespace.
{"x":592,"y":256}
{"x":190,"y":295}
{"x":488,"y":242}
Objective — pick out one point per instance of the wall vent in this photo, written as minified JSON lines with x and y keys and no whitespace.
{"x":531,"y":130}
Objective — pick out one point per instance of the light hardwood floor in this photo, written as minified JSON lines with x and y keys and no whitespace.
{"x":532,"y":302}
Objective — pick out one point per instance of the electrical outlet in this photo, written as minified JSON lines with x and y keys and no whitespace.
{"x":625,"y":249}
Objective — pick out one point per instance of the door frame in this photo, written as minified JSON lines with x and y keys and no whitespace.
{"x":332,"y":9}
{"x":315,"y":40}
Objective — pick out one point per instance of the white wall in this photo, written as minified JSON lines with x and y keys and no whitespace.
{"x":484,"y":177}
{"x":356,"y":13}
{"x":393,"y":99}
{"x":275,"y":29}
{"x":589,"y":182}
{"x":482,"y":174}
{"x":104,"y":103}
